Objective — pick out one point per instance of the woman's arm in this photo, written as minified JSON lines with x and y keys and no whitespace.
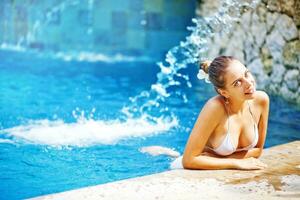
{"x":254,"y":153}
{"x":263,"y":103}
{"x":212,"y":161}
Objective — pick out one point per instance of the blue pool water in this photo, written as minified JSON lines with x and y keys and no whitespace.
{"x":61,"y":125}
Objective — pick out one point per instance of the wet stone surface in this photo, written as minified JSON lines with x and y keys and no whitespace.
{"x":281,"y":180}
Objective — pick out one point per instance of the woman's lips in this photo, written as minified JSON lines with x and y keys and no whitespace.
{"x":251,"y":91}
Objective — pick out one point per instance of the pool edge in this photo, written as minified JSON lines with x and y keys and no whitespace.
{"x":281,"y":180}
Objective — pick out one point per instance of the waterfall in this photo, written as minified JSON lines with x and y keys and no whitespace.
{"x":189,"y":52}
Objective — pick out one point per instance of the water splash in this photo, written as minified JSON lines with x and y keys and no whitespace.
{"x":84,"y":132}
{"x":171,"y":76}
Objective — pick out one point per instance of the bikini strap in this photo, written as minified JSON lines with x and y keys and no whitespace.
{"x":227,"y":112}
{"x":255,"y":125}
{"x":251,"y":112}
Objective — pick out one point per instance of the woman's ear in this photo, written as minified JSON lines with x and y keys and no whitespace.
{"x":223,"y":92}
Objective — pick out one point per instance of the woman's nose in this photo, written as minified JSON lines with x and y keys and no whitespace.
{"x":248,"y":82}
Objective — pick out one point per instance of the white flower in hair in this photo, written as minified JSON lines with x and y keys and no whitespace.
{"x":202,"y":75}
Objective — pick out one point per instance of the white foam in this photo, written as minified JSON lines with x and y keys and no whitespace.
{"x":7,"y":141}
{"x":11,"y":47}
{"x":159,"y":150}
{"x":98,"y":57}
{"x":87,"y":132}
{"x":83,"y":56}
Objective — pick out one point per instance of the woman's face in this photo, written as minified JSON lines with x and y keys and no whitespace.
{"x":239,"y":82}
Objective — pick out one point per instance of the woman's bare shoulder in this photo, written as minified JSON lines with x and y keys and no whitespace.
{"x":215,"y":105}
{"x":261,"y":98}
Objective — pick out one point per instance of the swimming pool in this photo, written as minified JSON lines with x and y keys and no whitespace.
{"x":64,"y":120}
{"x":62,"y":127}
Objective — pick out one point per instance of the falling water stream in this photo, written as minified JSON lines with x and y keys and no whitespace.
{"x":190,"y":52}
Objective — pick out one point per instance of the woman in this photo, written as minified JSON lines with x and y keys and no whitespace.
{"x":231,"y":128}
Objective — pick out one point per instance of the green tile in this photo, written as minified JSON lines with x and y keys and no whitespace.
{"x":17,"y":2}
{"x":68,"y":18}
{"x":136,"y":39}
{"x":117,"y":5}
{"x":180,"y":7}
{"x":101,"y":19}
{"x":153,"y":5}
{"x":9,"y":33}
{"x":52,"y":34}
{"x":1,"y":31}
{"x":20,"y":29}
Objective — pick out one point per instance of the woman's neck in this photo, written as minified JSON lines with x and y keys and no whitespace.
{"x":236,"y":106}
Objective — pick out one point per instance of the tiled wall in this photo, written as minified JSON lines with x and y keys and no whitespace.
{"x":131,"y":27}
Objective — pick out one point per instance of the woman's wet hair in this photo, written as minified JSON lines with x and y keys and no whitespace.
{"x":216,"y":70}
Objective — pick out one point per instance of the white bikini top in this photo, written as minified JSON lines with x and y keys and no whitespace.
{"x":227,"y":147}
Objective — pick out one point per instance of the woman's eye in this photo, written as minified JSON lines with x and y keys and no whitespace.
{"x":237,"y":83}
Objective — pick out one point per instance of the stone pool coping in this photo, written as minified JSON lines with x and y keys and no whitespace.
{"x":281,"y":180}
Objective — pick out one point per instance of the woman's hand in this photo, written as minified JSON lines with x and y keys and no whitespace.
{"x":249,"y":164}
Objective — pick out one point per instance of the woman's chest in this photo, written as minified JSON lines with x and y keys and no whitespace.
{"x":240,"y":132}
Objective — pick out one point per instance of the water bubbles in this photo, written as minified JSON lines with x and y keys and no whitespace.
{"x":182,"y":44}
{"x":170,"y":58}
{"x":54,"y":116}
{"x":164,"y":69}
{"x":159,"y":88}
{"x":89,"y":31}
{"x":82,"y":116}
{"x":194,"y":20}
{"x":185,"y":100}
{"x":195,"y":39}
{"x":91,"y":115}
{"x":172,"y":82}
